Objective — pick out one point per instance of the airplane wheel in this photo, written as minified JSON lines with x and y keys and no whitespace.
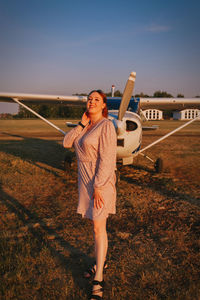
{"x":68,"y":161}
{"x":158,"y":165}
{"x":117,"y":173}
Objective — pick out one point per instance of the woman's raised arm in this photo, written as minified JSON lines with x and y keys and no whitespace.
{"x":73,"y":133}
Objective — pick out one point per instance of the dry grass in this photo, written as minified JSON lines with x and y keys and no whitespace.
{"x":153,"y":239}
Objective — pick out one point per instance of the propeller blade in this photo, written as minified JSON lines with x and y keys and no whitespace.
{"x":126,"y":95}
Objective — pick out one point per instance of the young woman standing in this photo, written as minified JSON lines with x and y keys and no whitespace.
{"x":94,"y":140}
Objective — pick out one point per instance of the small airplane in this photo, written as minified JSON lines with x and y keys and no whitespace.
{"x":125,"y":113}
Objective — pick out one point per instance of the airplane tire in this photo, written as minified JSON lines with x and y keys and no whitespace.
{"x":158,"y":165}
{"x":68,"y":161}
{"x":67,"y":164}
{"x":117,"y":173}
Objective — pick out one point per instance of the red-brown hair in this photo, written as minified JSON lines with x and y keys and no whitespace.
{"x":105,"y":110}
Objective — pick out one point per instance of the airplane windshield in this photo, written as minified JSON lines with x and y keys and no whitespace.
{"x":114,"y":103}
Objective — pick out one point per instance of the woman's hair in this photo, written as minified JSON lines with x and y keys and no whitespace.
{"x":105,"y":110}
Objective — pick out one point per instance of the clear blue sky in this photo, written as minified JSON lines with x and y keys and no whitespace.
{"x":64,"y":47}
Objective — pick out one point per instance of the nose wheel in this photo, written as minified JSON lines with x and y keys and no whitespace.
{"x":158,"y":165}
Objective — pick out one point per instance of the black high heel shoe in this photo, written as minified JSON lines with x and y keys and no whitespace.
{"x":90,"y":272}
{"x":100,"y":290}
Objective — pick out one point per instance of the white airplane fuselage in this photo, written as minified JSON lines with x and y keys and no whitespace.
{"x":129,"y":135}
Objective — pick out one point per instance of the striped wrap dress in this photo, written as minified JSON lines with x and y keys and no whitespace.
{"x":95,"y":149}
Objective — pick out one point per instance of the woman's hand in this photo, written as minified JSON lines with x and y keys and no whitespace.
{"x":98,"y":200}
{"x":85,"y":118}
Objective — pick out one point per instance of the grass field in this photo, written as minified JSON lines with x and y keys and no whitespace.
{"x":153,"y":239}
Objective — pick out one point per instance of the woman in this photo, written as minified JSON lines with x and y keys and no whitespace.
{"x":94,"y":140}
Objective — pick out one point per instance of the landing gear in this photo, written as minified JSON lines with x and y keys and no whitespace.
{"x":117,"y":174}
{"x":68,"y":161}
{"x":158,"y":165}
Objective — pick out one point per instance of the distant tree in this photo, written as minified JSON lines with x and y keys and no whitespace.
{"x":180,"y":96}
{"x":197,"y":96}
{"x":81,"y":94}
{"x":24,"y":113}
{"x":45,"y":110}
{"x":142,"y":95}
{"x":72,"y":112}
{"x":116,"y":94}
{"x":162,"y":94}
{"x":51,"y":111}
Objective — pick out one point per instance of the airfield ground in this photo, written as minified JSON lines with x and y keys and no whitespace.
{"x":154,"y":239}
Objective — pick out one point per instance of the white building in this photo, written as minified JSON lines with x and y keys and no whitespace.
{"x":186,"y":114}
{"x":153,"y":114}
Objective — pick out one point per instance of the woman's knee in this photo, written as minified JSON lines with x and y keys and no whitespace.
{"x":99,"y":227}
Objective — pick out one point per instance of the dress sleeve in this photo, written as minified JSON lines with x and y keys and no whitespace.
{"x":70,"y":137}
{"x":107,"y":155}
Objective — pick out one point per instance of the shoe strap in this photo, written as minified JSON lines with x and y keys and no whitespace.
{"x":91,"y":271}
{"x":96,"y":282}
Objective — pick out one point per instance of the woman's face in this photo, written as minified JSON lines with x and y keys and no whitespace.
{"x":95,"y":104}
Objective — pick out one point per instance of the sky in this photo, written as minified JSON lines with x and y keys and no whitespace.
{"x":66,"y":47}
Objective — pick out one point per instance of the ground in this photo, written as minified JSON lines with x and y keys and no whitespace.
{"x":153,"y":239}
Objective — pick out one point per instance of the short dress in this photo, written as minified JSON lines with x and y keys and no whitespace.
{"x":96,"y":155}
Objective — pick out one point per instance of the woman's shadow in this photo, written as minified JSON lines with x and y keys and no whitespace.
{"x":39,"y":152}
{"x":47,"y":155}
{"x":74,"y":263}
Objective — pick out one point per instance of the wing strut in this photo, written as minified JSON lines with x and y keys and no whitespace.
{"x":168,"y":134}
{"x":39,"y":116}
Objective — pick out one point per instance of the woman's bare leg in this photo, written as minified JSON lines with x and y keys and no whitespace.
{"x":101,"y":246}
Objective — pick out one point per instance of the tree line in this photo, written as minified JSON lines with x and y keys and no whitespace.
{"x":72,"y":112}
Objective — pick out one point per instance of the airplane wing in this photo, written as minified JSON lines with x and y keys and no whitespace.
{"x":43,"y":99}
{"x":145,"y":103}
{"x":169,"y":103}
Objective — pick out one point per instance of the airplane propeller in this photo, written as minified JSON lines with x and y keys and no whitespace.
{"x":126,"y":95}
{"x":119,"y":125}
